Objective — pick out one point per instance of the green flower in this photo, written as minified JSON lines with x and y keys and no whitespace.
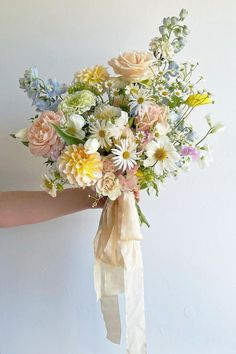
{"x":78,"y":102}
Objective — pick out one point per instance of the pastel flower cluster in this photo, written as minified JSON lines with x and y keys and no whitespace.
{"x":122,"y":132}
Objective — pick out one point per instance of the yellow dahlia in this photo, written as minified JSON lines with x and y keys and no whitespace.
{"x":92,"y":76}
{"x":79,"y":167}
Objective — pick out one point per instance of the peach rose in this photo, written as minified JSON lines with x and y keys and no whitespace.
{"x":133,"y":66}
{"x":155,"y":116}
{"x":43,"y":140}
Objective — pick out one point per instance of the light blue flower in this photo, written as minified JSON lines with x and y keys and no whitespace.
{"x":54,"y":88}
{"x":43,"y":104}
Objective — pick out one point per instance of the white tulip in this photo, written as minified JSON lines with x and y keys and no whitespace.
{"x":22,"y":135}
{"x":92,"y":145}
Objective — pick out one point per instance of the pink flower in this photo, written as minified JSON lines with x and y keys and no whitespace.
{"x":155,"y":116}
{"x":190,"y":151}
{"x":43,"y":140}
{"x":108,"y":165}
{"x":129,"y":183}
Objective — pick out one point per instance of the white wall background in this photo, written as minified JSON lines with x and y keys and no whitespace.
{"x":47,"y":300}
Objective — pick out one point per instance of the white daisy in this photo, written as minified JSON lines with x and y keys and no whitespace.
{"x":140,"y":99}
{"x":162,"y":155}
{"x":49,"y":186}
{"x":125,"y":155}
{"x":101,"y":130}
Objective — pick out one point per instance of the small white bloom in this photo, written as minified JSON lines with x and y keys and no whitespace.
{"x":92,"y":145}
{"x":122,"y":120}
{"x":209,"y":120}
{"x":165,"y":93}
{"x":162,"y":155}
{"x":49,"y":186}
{"x":125,"y":155}
{"x":206,"y":156}
{"x":101,"y":130}
{"x":74,"y":126}
{"x":140,"y":99}
{"x":22,"y":135}
{"x":218,"y":127}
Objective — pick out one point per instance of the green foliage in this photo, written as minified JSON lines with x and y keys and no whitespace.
{"x":69,"y":139}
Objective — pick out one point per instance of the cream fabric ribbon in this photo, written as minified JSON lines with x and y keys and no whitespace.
{"x":119,"y":268}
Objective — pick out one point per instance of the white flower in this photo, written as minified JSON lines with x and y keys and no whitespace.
{"x":119,"y":125}
{"x":92,"y":145}
{"x":101,"y":130}
{"x":162,"y":48}
{"x":22,"y":135}
{"x":74,"y":126}
{"x":162,"y":155}
{"x":218,"y":127}
{"x":125,"y":155}
{"x":164,"y":93}
{"x":140,"y":100}
{"x":49,"y":186}
{"x":122,"y":120}
{"x":109,"y":186}
{"x":206,"y":156}
{"x":106,"y":112}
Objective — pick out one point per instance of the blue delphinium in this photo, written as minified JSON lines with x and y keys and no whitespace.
{"x":45,"y":95}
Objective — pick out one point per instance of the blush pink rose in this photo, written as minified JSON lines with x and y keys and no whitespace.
{"x":133,"y":66}
{"x":129,"y":182}
{"x":154,"y":116}
{"x":43,"y":140}
{"x":107,"y":164}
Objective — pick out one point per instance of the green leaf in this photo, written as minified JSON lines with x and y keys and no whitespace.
{"x":69,"y":139}
{"x":142,"y":217}
{"x":26,"y":143}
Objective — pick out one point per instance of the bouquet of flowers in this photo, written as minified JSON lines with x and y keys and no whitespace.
{"x":120,"y":134}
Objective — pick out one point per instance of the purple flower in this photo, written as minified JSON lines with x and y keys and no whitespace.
{"x":190,"y":151}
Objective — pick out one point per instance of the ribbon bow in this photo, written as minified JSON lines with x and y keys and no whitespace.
{"x":119,"y":269}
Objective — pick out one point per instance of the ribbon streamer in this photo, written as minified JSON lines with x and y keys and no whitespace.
{"x":119,"y":269}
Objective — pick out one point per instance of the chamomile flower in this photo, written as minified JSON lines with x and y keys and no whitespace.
{"x":161,"y":154}
{"x":178,"y":93}
{"x":164,"y":93}
{"x":139,"y":101}
{"x":101,"y":130}
{"x":125,"y":155}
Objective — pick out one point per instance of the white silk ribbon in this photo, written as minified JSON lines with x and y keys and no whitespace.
{"x":119,"y":269}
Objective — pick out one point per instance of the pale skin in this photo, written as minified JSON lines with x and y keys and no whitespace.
{"x":29,"y":207}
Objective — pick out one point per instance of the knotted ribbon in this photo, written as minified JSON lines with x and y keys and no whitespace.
{"x":119,"y":269}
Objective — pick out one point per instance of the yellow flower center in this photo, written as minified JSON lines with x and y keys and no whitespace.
{"x":160,"y":154}
{"x":71,"y":130}
{"x":102,"y":133}
{"x":140,"y":100}
{"x":126,"y":155}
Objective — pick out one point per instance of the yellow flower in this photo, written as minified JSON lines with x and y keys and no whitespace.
{"x":79,"y":167}
{"x":198,"y":99}
{"x":92,"y":76}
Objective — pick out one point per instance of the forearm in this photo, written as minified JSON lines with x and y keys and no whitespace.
{"x":19,"y":208}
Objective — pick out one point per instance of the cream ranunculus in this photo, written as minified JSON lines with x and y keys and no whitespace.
{"x":133,"y":66}
{"x":109,"y":186}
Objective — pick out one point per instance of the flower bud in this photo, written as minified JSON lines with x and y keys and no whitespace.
{"x":183,"y":14}
{"x":22,"y":135}
{"x":218,"y":127}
